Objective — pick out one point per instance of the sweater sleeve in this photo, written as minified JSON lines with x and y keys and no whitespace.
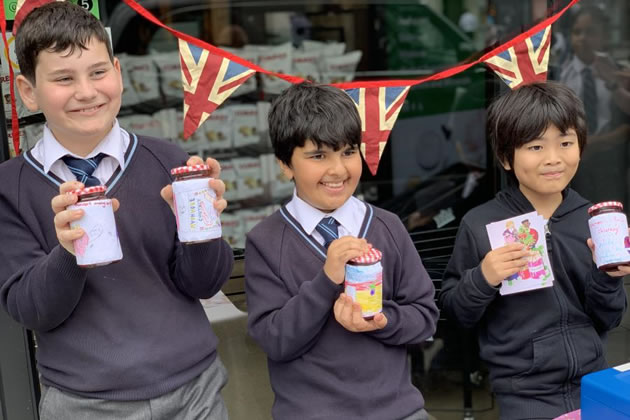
{"x":200,"y":270}
{"x":412,"y":313}
{"x":605,"y":299}
{"x":285,"y":325}
{"x":465,"y":293}
{"x":38,"y":289}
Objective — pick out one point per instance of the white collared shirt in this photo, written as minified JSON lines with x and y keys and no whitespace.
{"x":350,"y":216}
{"x":571,"y":76}
{"x":48,"y":151}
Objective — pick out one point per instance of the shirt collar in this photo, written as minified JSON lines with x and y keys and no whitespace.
{"x":309,"y":217}
{"x":112,"y":145}
{"x":578,"y":65}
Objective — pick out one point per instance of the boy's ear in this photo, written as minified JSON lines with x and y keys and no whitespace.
{"x":118,"y":70}
{"x":27,"y":93}
{"x":506,"y":165}
{"x":286,"y":169}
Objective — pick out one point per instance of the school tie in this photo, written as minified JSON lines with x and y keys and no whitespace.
{"x":83,"y":168}
{"x":328,"y":228}
{"x":589,"y":96}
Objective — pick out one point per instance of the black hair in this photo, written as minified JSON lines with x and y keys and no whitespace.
{"x":523,"y":114}
{"x":307,"y":111}
{"x":594,"y":12}
{"x":56,"y":27}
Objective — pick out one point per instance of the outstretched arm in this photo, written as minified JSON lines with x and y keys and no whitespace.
{"x":40,"y":289}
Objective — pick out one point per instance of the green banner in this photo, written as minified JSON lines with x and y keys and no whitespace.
{"x":91,"y":5}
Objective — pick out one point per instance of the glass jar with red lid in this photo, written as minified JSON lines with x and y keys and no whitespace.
{"x":609,"y":231}
{"x":193,"y":199}
{"x":99,"y":244}
{"x":364,"y":282}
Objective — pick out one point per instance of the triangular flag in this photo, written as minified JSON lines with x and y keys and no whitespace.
{"x":524,"y":62}
{"x":208,"y":80}
{"x":23,"y":8}
{"x":378,"y":108}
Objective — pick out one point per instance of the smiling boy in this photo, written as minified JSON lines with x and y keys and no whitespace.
{"x":537,"y":344}
{"x":129,"y":339}
{"x":324,"y":359}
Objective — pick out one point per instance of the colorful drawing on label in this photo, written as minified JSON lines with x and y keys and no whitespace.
{"x":626,"y":242}
{"x":205,"y":213}
{"x":523,"y":229}
{"x":208,"y":196}
{"x":81,"y":244}
{"x":510,"y":236}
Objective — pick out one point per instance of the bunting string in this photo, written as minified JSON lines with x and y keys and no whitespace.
{"x":210,"y":75}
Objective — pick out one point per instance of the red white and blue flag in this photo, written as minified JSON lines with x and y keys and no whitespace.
{"x":208,"y":80}
{"x":23,"y":8}
{"x":524,"y":62}
{"x":378,"y":107}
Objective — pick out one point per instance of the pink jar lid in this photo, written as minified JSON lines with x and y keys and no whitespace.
{"x":370,"y":257}
{"x":605,"y":204}
{"x":188,"y":169}
{"x":90,"y":190}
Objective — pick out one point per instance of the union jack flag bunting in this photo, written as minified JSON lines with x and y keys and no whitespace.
{"x":525,"y":62}
{"x":23,"y":8}
{"x":378,"y":108}
{"x":208,"y":80}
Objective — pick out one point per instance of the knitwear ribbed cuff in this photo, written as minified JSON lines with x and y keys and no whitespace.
{"x":481,"y":285}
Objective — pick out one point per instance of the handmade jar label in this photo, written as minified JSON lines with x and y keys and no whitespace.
{"x":99,"y":245}
{"x":609,"y":232}
{"x":197,"y":219}
{"x":364,"y":284}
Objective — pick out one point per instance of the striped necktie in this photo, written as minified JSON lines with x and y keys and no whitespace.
{"x":589,"y":96}
{"x":328,"y":228}
{"x":82,"y":169}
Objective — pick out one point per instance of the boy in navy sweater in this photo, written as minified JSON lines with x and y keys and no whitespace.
{"x":537,"y":344}
{"x":129,"y":339}
{"x":325,"y":361}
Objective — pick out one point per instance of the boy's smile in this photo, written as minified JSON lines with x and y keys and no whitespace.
{"x":545,"y":166}
{"x":79,"y":94}
{"x":324,"y":178}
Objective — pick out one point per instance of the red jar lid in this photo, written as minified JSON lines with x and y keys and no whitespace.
{"x":188,"y":169}
{"x":603,"y":204}
{"x":370,"y":257}
{"x":90,"y":190}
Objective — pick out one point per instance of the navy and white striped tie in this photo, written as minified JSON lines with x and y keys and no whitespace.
{"x":82,"y":169}
{"x":328,"y":228}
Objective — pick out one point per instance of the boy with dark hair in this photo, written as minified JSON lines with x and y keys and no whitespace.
{"x":537,"y":344}
{"x":324,"y":359}
{"x":126,"y":340}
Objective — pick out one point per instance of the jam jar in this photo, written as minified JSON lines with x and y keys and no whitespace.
{"x":100,"y":244}
{"x":193,"y":199}
{"x":364,"y":282}
{"x":609,"y":231}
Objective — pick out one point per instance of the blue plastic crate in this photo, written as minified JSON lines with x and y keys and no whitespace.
{"x":605,"y":394}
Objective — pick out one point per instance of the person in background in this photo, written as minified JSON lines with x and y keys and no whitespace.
{"x":129,"y":339}
{"x":593,"y":75}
